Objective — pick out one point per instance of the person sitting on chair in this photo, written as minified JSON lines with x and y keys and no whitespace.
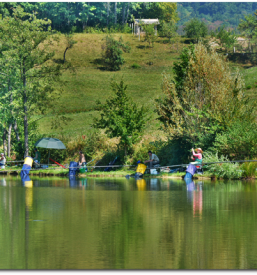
{"x":153,"y":159}
{"x":37,"y":157}
{"x":2,"y":161}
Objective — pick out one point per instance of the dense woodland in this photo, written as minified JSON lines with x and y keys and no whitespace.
{"x":65,"y":15}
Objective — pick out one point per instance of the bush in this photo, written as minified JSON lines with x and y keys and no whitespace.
{"x":249,"y":169}
{"x":249,"y":87}
{"x":136,"y":66}
{"x":222,"y":170}
{"x":113,"y":53}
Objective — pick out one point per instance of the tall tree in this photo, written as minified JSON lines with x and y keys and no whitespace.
{"x":121,"y":117}
{"x":27,"y":39}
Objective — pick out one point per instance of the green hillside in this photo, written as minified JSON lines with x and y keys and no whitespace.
{"x":91,"y":82}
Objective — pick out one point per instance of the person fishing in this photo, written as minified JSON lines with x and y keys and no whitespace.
{"x":82,"y":159}
{"x":198,"y":157}
{"x":153,"y":159}
{"x":37,"y":157}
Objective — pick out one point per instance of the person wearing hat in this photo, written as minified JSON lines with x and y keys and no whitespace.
{"x":2,"y":161}
{"x":197,"y":156}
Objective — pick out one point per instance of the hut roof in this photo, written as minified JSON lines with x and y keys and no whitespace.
{"x":147,"y":21}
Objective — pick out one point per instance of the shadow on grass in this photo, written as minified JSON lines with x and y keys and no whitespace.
{"x":58,"y":61}
{"x":100,"y":64}
{"x":244,"y":58}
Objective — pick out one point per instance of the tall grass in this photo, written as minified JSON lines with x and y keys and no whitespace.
{"x":249,"y":169}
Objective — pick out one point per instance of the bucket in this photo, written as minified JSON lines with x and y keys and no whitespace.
{"x":153,"y":172}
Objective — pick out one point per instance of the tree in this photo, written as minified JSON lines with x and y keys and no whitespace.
{"x":169,"y":30}
{"x":203,"y":99}
{"x":27,"y":40}
{"x":113,"y":52}
{"x":69,"y":41}
{"x":226,"y":38}
{"x":195,"y":29}
{"x":121,"y":117}
{"x":150,"y":34}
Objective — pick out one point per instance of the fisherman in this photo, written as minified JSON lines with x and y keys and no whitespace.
{"x":153,"y":159}
{"x":37,"y":157}
{"x":28,"y":161}
{"x":198,"y":157}
{"x":82,"y":159}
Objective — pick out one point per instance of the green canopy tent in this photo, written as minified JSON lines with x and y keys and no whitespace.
{"x":50,"y":143}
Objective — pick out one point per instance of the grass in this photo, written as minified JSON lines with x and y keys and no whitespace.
{"x":90,"y":82}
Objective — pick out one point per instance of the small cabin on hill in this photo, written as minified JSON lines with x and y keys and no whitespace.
{"x":137,"y":22}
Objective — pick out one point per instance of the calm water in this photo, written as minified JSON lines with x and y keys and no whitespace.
{"x":54,"y":223}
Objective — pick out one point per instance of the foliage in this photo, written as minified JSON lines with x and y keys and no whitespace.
{"x":249,"y":169}
{"x":203,"y":99}
{"x":195,"y":29}
{"x":226,"y":38}
{"x":150,"y":35}
{"x":121,"y":117}
{"x":136,"y":66}
{"x":169,"y":30}
{"x":222,"y":170}
{"x":26,"y":43}
{"x":215,"y":13}
{"x":248,"y":26}
{"x":113,"y":53}
{"x":238,"y":141}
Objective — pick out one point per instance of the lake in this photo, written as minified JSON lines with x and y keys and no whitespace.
{"x":57,"y":223}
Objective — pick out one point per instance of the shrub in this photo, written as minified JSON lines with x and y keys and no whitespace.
{"x":249,"y":169}
{"x":248,"y":87}
{"x":113,"y":52}
{"x":136,"y":66}
{"x":222,"y":170}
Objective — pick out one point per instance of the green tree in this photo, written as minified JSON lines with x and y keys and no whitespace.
{"x":169,"y":30}
{"x":69,"y":43}
{"x":113,"y":50}
{"x":121,"y":117}
{"x":203,"y":99}
{"x":226,"y":38}
{"x":150,"y":34}
{"x":27,"y":40}
{"x":195,"y":29}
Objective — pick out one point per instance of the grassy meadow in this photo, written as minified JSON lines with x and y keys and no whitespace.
{"x":91,"y":82}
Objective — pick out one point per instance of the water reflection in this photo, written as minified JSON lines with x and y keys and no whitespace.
{"x":56,"y":223}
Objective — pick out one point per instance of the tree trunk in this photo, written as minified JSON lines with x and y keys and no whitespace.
{"x":126,"y":20}
{"x":9,"y":140}
{"x":65,"y":54}
{"x":108,"y":12}
{"x":25,"y":119}
{"x":115,"y":13}
{"x":4,"y":141}
{"x":15,"y":127}
{"x":123,"y":13}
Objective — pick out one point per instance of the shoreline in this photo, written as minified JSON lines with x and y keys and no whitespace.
{"x":113,"y":174}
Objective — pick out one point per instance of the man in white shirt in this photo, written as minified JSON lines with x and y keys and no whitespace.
{"x":2,"y":161}
{"x":153,"y":159}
